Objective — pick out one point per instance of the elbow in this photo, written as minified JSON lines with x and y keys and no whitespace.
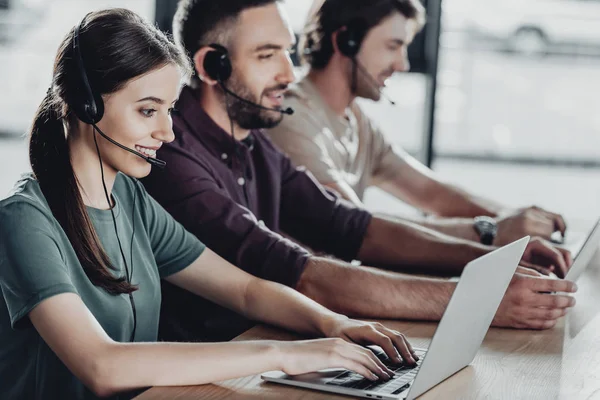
{"x":103,"y":379}
{"x":101,"y":383}
{"x":102,"y":391}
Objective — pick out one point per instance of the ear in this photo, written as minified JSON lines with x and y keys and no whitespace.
{"x":334,"y":39}
{"x":198,"y":60}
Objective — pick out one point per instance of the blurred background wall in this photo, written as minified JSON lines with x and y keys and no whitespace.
{"x":504,"y":99}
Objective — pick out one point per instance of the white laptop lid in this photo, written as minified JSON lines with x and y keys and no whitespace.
{"x":585,"y":254}
{"x":574,"y":240}
{"x":468,"y":316}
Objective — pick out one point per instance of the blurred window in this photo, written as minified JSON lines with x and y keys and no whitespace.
{"x":30,"y":33}
{"x":520,"y":80}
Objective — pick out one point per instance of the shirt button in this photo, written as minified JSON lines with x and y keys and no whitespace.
{"x":241,"y":181}
{"x":224,"y":156}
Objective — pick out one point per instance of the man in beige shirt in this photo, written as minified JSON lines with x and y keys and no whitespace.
{"x":346,"y":151}
{"x":352,"y":48}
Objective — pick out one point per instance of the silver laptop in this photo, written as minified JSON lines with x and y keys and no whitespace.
{"x":583,"y":258}
{"x":573,"y":240}
{"x":454,"y":345}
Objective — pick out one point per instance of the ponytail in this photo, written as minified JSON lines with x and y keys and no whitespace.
{"x":51,"y":164}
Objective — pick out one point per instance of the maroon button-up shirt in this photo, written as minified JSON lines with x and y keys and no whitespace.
{"x":238,"y":197}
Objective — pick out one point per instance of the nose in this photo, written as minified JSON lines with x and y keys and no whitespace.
{"x":286,"y":75}
{"x":165,"y":133}
{"x":402,"y":63}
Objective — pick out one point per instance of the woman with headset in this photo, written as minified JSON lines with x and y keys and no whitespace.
{"x":83,"y":247}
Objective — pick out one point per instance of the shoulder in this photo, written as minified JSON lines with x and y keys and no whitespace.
{"x":265,"y":142}
{"x":304,"y":97}
{"x":299,"y":91}
{"x":311,"y":120}
{"x":24,"y":214}
{"x":186,"y":157}
{"x":26,"y":200}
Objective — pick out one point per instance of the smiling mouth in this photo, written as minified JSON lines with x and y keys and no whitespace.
{"x":276,"y":98}
{"x":146,"y":151}
{"x":276,"y":95}
{"x":383,"y":80}
{"x":385,"y":77}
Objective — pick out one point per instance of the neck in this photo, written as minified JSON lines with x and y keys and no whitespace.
{"x":334,"y":88}
{"x":86,"y":167}
{"x":216,"y":110}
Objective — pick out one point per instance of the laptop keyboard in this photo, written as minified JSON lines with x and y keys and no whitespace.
{"x":403,"y":376}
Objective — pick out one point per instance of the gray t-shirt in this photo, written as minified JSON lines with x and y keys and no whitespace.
{"x":37,"y":261}
{"x":335,"y":149}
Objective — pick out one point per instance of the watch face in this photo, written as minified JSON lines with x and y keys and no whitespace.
{"x":487,"y":225}
{"x":486,"y":228}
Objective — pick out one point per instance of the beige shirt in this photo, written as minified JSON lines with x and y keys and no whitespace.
{"x":334,"y":148}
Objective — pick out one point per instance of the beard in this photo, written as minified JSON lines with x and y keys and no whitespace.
{"x":367,"y":86}
{"x":247,"y":116}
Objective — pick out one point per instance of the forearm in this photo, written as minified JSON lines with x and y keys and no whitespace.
{"x":215,"y":279}
{"x":455,"y":202}
{"x":366,"y":292}
{"x":127,"y":366}
{"x":279,"y":305}
{"x":457,"y":227}
{"x":393,"y":244}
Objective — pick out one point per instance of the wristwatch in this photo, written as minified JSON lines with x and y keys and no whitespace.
{"x":486,"y":228}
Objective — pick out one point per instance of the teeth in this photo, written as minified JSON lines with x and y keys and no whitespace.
{"x":146,"y":151}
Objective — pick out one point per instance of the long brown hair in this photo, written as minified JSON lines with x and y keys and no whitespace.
{"x":117,"y":46}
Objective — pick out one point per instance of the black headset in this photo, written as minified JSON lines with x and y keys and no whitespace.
{"x":87,"y":105}
{"x":350,"y":38}
{"x":217,"y":63}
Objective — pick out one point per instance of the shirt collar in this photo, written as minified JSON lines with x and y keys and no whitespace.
{"x":204,"y":128}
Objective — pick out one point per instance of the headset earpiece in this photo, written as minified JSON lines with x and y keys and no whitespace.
{"x":87,"y":105}
{"x":217,"y":63}
{"x":350,"y":37}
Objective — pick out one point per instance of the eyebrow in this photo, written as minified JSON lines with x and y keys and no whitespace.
{"x":399,"y":42}
{"x":268,"y":47}
{"x":152,"y":98}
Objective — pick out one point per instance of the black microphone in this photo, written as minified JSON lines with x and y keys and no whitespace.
{"x":372,"y":80}
{"x":152,"y":161}
{"x":288,"y":111}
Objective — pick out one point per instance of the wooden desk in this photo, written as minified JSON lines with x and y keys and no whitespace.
{"x":561,"y":363}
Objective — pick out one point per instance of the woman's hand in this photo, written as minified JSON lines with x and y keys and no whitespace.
{"x":347,"y":350}
{"x":392,"y":342}
{"x":300,"y":357}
